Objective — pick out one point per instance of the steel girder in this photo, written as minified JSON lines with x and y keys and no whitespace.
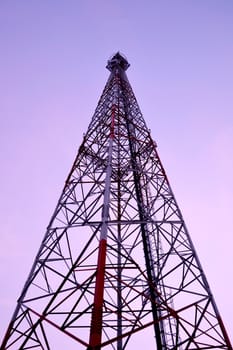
{"x":116,"y":265}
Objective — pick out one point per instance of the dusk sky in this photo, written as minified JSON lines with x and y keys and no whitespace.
{"x":52,"y":70}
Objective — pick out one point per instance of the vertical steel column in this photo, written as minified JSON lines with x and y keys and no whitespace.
{"x":139,"y":197}
{"x":119,"y":238}
{"x":96,"y":321}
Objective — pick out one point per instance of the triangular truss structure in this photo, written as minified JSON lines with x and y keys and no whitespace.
{"x":116,"y":264}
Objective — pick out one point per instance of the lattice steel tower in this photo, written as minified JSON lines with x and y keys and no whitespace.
{"x":116,"y":268}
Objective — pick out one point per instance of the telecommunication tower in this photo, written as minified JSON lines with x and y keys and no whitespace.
{"x":116,"y":265}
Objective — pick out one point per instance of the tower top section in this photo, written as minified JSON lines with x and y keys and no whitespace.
{"x":117,"y":60}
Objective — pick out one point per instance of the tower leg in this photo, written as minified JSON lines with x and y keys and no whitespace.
{"x":96,"y":322}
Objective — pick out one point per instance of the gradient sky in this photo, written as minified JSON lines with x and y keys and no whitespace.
{"x":52,"y":70}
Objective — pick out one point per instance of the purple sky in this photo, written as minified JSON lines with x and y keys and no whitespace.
{"x":52,"y":69}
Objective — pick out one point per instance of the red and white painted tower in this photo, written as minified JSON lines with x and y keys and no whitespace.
{"x":116,"y":266}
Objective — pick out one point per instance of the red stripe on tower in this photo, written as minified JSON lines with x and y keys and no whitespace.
{"x":96,"y":322}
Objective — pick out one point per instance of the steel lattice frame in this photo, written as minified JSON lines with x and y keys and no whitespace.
{"x":117,"y":258}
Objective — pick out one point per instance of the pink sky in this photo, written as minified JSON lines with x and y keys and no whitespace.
{"x":52,"y":68}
